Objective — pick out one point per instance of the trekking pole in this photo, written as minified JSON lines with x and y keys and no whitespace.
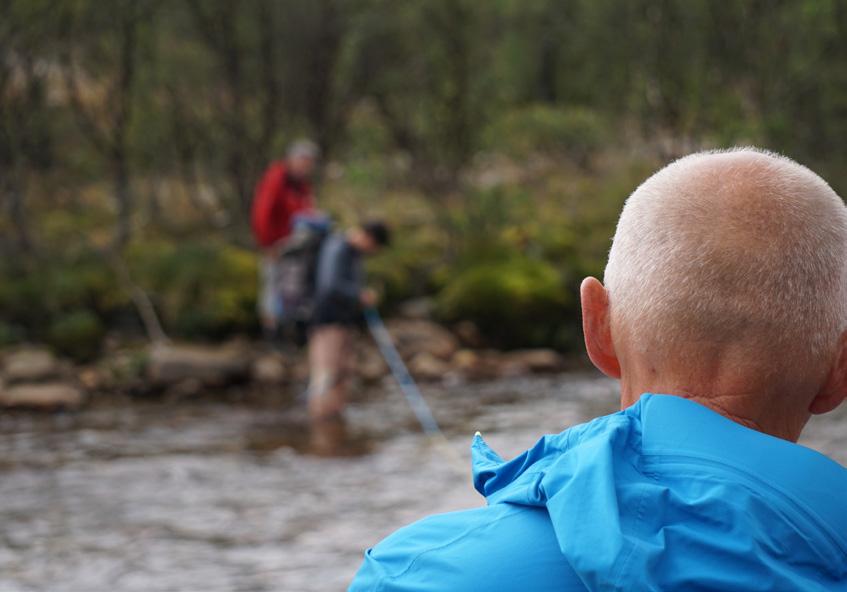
{"x":407,"y":384}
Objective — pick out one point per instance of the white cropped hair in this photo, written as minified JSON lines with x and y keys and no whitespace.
{"x":730,"y":245}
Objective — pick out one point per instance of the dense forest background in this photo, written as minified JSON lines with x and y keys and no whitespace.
{"x":500,"y":138}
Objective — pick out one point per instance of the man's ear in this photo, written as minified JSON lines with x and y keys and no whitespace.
{"x":596,"y":325}
{"x":834,"y":390}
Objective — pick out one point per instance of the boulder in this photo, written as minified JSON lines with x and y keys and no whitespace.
{"x":480,"y":364}
{"x":212,"y":366}
{"x":425,"y":366}
{"x":185,"y":389}
{"x":48,"y":395}
{"x":417,"y":336}
{"x":90,"y":378}
{"x":469,"y":334}
{"x":535,"y":360}
{"x":417,"y":309}
{"x":466,"y":361}
{"x":508,"y":366}
{"x":370,"y":365}
{"x":268,"y":369}
{"x":30,"y":365}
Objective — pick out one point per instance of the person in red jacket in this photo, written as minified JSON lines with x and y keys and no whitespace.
{"x":284,"y":191}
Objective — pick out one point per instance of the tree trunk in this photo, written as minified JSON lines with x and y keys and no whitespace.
{"x":14,"y":197}
{"x":123,"y":202}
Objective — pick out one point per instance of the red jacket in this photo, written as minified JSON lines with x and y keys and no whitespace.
{"x":277,"y":199}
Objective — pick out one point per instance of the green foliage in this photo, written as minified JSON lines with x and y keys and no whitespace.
{"x":576,"y":132}
{"x":65,"y":301}
{"x":34,"y":295}
{"x":201,"y":290}
{"x":10,"y":334}
{"x":408,"y":268}
{"x":500,"y":137}
{"x":77,"y":334}
{"x":518,"y":302}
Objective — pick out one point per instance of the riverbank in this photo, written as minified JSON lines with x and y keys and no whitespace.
{"x":32,"y":377}
{"x":159,"y":496}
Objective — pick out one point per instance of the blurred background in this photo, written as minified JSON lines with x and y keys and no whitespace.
{"x":499,"y":139}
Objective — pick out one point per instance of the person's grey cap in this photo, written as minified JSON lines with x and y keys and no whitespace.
{"x":303,"y":147}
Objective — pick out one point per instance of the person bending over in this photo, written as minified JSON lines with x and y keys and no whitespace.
{"x":340,"y":295}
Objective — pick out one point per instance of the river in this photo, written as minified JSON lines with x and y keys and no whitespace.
{"x":219,"y":496}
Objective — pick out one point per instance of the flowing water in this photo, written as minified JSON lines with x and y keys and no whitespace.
{"x":219,"y":496}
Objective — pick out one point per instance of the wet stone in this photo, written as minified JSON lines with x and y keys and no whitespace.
{"x":535,"y":360}
{"x":426,"y":366}
{"x":213,"y":366}
{"x":416,"y":336}
{"x":370,"y":364}
{"x":418,"y":308}
{"x":465,"y":360}
{"x":268,"y":369}
{"x":469,"y":334}
{"x":52,"y":395}
{"x":30,"y":365}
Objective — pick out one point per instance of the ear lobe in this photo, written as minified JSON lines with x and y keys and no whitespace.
{"x":834,"y":391}
{"x":596,"y":326}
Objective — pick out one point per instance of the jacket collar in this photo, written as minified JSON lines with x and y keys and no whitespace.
{"x":675,"y":426}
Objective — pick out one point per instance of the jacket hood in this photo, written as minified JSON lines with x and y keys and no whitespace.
{"x":672,"y":495}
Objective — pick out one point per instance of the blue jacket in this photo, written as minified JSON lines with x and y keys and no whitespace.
{"x":665,"y":495}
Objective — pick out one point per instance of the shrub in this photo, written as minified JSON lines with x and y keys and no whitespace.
{"x":514,"y":303}
{"x":43,"y":300}
{"x":405,"y":269}
{"x":201,"y":290}
{"x":77,"y":334}
{"x":10,"y":334}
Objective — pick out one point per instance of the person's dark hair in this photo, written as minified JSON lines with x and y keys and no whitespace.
{"x":378,"y":231}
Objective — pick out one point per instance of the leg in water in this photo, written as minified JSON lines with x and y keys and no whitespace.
{"x":329,"y":361}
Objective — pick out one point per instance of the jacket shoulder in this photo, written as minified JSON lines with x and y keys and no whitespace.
{"x":498,"y":548}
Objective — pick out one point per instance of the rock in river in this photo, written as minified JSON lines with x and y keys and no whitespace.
{"x":30,"y":365}
{"x":416,"y":336}
{"x":370,"y":365}
{"x":536,"y":360}
{"x":426,"y":366}
{"x":268,"y":369}
{"x":212,"y":366}
{"x":49,"y":395}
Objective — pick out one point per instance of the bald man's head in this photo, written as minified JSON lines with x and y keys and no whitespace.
{"x":732,"y":247}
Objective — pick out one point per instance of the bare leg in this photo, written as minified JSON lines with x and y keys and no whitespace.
{"x":329,"y":375}
{"x":328,"y":436}
{"x":328,"y":380}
